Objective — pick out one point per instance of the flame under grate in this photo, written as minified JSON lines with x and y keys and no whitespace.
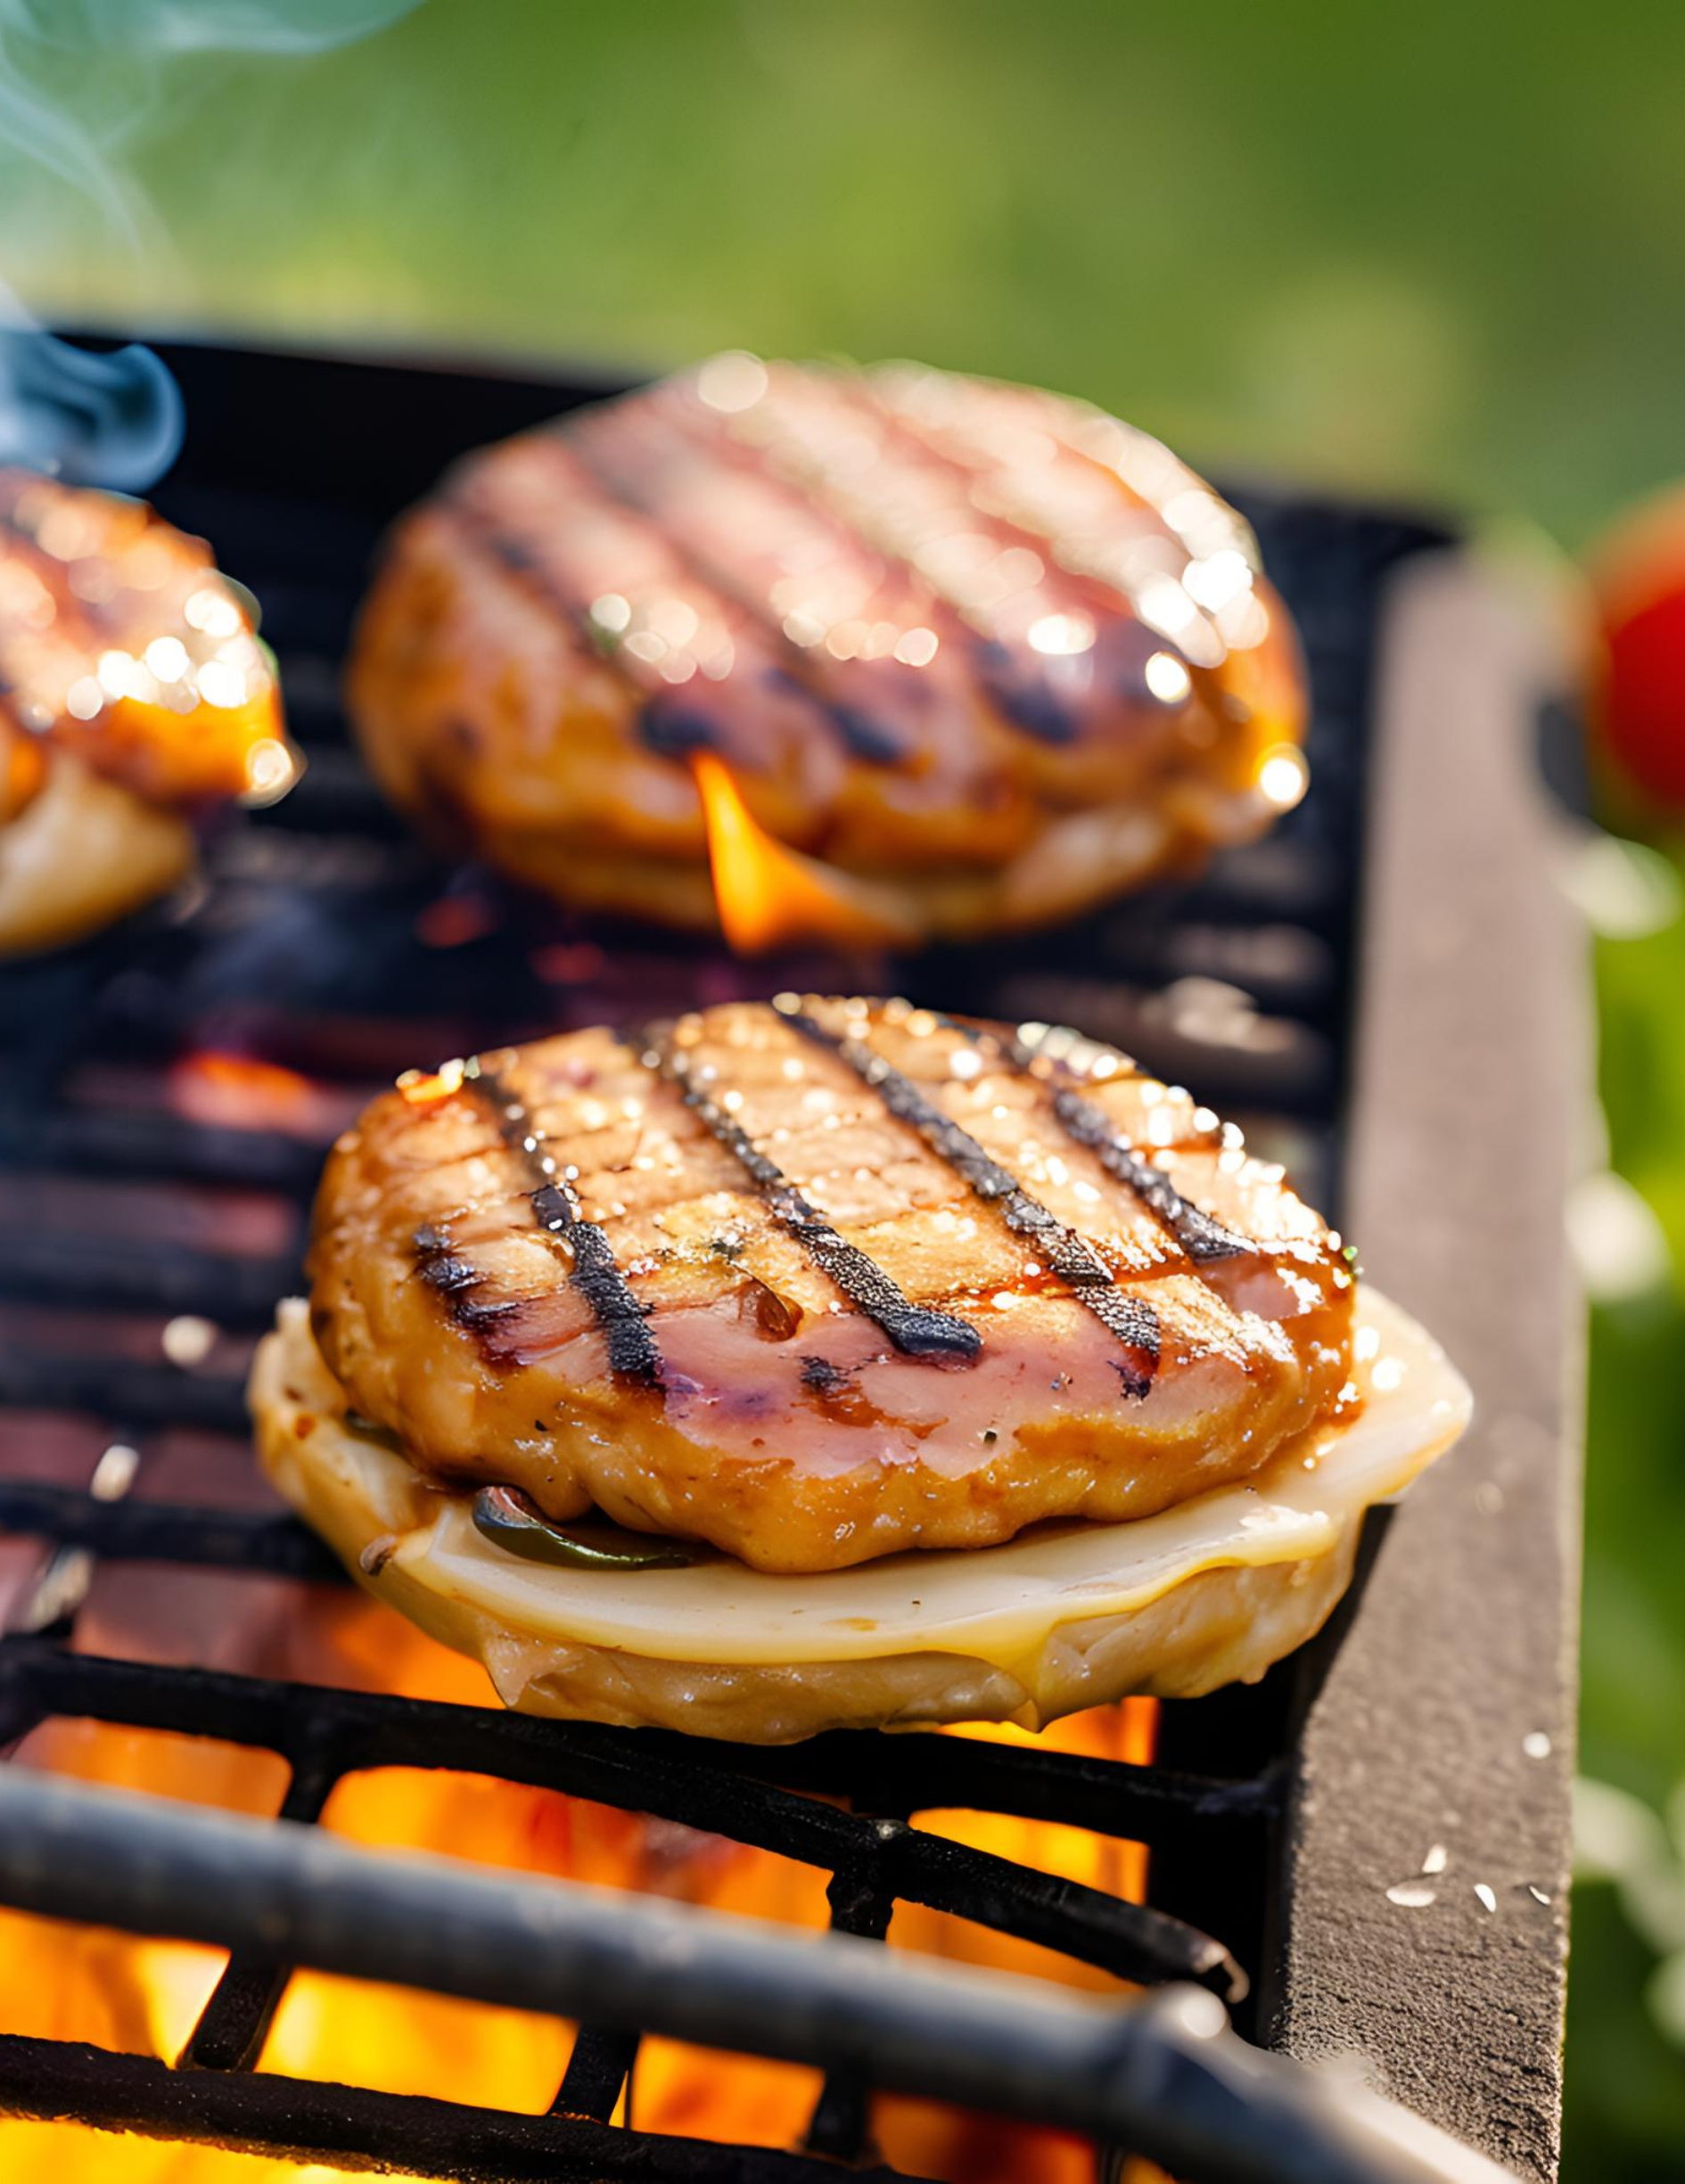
{"x":165,"y":1100}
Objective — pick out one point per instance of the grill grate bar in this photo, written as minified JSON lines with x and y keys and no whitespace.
{"x":1163,"y":2072}
{"x":235,"y":2020}
{"x":597,"y":2069}
{"x":143,"y":1530}
{"x":690,"y":1786}
{"x":93,"y":1141}
{"x":355,"y":2128}
{"x":39,"y":1267}
{"x":1110,"y":1797}
{"x":1114,"y":1797}
{"x":861,"y":1904}
{"x":139,"y":1395}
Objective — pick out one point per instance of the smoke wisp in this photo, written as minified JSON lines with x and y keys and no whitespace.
{"x":81,"y":81}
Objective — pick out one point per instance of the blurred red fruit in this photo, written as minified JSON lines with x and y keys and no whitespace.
{"x":1638,"y":580}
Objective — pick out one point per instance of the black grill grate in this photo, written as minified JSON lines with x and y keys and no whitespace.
{"x":327,"y":944}
{"x":753,"y":1797}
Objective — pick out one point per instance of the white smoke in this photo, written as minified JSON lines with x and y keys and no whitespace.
{"x":80,"y":83}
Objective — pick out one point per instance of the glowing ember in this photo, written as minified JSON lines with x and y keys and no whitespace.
{"x":455,"y":920}
{"x":770,"y":896}
{"x":239,"y":1091}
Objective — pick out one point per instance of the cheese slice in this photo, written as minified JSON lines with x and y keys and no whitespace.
{"x":1017,"y":1616}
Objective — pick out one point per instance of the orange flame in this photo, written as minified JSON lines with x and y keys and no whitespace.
{"x":770,"y":895}
{"x":141,"y":1996}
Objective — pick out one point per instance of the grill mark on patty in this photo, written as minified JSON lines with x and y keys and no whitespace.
{"x":1007,"y":490}
{"x":1130,"y":1319}
{"x":917,"y":1330}
{"x":1012,"y":679}
{"x":633,"y":1351}
{"x":455,"y":1280}
{"x":80,"y":622}
{"x":671,"y":721}
{"x":480,"y":530}
{"x":1021,"y":691}
{"x":1201,"y":1234}
{"x":441,"y":1268}
{"x":860,"y":735}
{"x":715,"y":440}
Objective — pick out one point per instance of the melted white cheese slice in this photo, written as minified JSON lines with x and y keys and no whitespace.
{"x":997,"y":1603}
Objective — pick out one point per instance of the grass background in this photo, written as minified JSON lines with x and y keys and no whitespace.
{"x":1434,"y":251}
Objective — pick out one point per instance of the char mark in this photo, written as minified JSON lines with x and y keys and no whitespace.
{"x":441,"y":1268}
{"x":1201,"y":1234}
{"x":917,"y":1330}
{"x":862,"y":735}
{"x":1021,"y":694}
{"x":865,"y":736}
{"x":633,"y":1351}
{"x":1203,"y":1237}
{"x":455,"y":1281}
{"x":518,"y":560}
{"x":1130,"y":1319}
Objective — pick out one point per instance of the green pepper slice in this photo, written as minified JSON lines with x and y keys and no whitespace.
{"x":510,"y":1520}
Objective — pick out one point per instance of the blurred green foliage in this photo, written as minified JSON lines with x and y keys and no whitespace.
{"x":1434,"y":251}
{"x":1625,"y":2115}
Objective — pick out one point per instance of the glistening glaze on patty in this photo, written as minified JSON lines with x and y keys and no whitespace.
{"x":820,"y":1281}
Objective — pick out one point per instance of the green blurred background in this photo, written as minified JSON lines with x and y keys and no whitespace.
{"x":1434,"y":251}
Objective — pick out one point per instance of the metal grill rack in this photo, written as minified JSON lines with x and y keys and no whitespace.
{"x":874,"y":1860}
{"x":326,"y":942}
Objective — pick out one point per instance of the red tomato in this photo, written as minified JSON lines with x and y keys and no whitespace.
{"x":1637,"y":578}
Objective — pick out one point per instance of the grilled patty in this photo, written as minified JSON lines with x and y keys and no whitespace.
{"x":132,"y":690}
{"x":929,"y":624}
{"x":821,"y":1280}
{"x":123,"y":648}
